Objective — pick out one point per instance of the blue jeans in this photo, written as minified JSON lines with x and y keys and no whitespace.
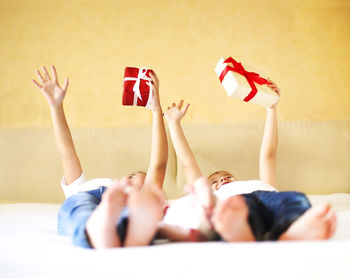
{"x":271,"y":213}
{"x":76,"y":210}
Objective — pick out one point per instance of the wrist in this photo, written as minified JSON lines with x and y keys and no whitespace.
{"x":174,"y":123}
{"x":271,"y":109}
{"x":157,"y":110}
{"x":56,"y":108}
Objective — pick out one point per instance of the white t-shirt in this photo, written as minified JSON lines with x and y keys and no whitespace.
{"x":186,"y":212}
{"x":81,"y":185}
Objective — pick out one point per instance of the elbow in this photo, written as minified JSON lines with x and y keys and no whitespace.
{"x":161,"y":166}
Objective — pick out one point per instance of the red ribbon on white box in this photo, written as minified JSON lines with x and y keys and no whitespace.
{"x":251,"y":77}
{"x":136,"y":88}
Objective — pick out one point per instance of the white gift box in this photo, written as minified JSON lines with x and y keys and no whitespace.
{"x":237,"y":86}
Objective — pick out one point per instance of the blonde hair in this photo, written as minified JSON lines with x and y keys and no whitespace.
{"x":139,"y":172}
{"x":219,"y":172}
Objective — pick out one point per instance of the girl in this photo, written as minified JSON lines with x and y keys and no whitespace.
{"x":104,"y":213}
{"x":246,"y":210}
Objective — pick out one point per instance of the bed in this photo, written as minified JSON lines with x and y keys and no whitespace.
{"x":312,"y":157}
{"x":31,"y":247}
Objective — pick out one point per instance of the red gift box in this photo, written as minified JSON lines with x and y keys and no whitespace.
{"x":137,"y":89}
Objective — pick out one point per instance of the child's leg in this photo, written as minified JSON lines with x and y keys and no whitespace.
{"x":73,"y":215}
{"x":231,"y":220}
{"x":283,"y":208}
{"x":145,"y":211}
{"x":317,"y":223}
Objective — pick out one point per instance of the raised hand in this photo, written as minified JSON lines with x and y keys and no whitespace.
{"x":273,"y":87}
{"x":155,"y":103}
{"x":50,"y":87}
{"x":176,"y":112}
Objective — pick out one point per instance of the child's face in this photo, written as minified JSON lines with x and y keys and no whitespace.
{"x":220,"y":178}
{"x":136,"y":180}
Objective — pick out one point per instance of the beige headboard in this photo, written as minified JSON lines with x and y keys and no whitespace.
{"x":313,"y":157}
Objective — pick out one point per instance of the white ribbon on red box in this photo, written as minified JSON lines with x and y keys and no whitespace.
{"x":136,"y":88}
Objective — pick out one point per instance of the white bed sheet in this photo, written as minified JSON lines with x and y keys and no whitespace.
{"x":31,"y":247}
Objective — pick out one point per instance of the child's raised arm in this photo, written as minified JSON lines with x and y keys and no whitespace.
{"x":183,"y":151}
{"x":268,"y":149}
{"x":55,"y":95}
{"x":159,"y":149}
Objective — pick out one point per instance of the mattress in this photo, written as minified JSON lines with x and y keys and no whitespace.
{"x":31,"y":247}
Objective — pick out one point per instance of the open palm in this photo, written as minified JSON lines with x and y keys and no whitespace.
{"x":176,"y":112}
{"x":50,"y":87}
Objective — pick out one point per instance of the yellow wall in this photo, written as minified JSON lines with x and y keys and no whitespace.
{"x":302,"y":45}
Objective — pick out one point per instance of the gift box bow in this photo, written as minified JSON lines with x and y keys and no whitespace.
{"x":251,"y":77}
{"x":141,"y":76}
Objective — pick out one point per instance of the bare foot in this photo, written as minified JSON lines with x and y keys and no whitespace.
{"x":101,"y":226}
{"x":231,"y":220}
{"x":203,"y":194}
{"x":317,"y":223}
{"x":145,"y":211}
{"x":202,"y":190}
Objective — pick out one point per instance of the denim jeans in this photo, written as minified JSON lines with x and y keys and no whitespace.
{"x":76,"y":210}
{"x":271,"y":213}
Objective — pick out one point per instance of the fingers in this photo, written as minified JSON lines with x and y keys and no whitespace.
{"x":154,"y":77}
{"x":179,"y":107}
{"x":184,"y":109}
{"x":54,"y":73}
{"x":273,"y":86}
{"x":41,"y":78}
{"x":47,"y":76}
{"x":37,"y":84}
{"x":154,"y":80}
{"x":65,"y":85}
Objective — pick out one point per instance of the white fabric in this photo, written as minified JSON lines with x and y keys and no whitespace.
{"x":242,"y":187}
{"x":81,"y":185}
{"x":186,"y":212}
{"x":31,"y":247}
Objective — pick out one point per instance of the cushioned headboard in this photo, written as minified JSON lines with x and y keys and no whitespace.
{"x":313,"y":157}
{"x":30,"y":168}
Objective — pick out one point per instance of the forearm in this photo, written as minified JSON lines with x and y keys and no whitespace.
{"x":184,"y":152}
{"x":159,"y":150}
{"x":270,"y":138}
{"x":70,"y":161}
{"x":268,"y":151}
